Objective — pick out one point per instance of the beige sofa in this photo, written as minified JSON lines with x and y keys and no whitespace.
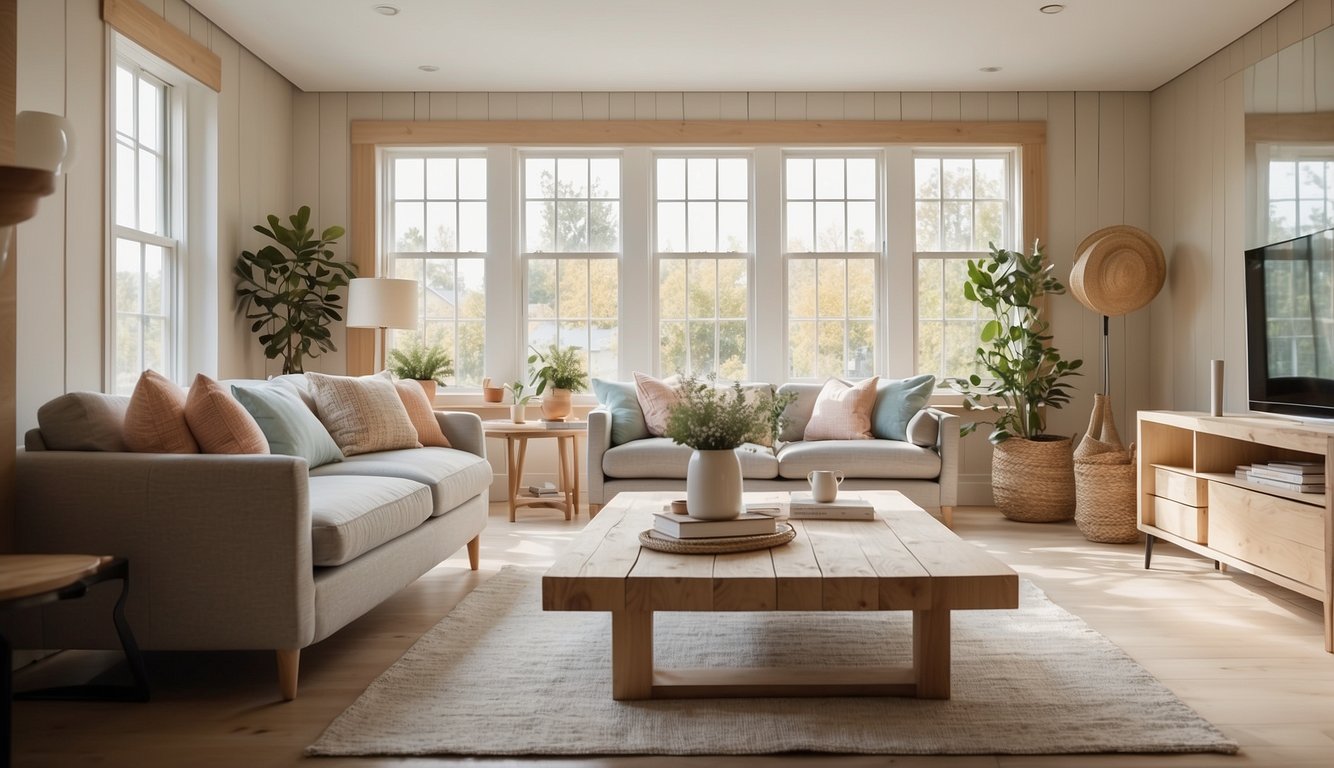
{"x":927,"y":473}
{"x":242,"y":552}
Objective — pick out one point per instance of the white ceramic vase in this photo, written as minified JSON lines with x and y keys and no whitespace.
{"x":517,"y":413}
{"x":713,"y":485}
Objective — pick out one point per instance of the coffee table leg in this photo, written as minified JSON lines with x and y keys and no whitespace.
{"x":631,"y":655}
{"x":931,"y":653}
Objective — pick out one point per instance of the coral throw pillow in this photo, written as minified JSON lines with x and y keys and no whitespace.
{"x":363,"y":414}
{"x":219,"y":423}
{"x":656,"y":398}
{"x":155,"y":418}
{"x":843,"y":411}
{"x":420,"y":412}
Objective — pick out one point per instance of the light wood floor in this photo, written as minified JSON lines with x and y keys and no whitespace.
{"x":1246,"y":655}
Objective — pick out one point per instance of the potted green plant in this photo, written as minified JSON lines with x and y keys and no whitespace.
{"x":1032,"y":473}
{"x":427,"y":364}
{"x":292,"y":293}
{"x":520,"y":406}
{"x":560,"y":370}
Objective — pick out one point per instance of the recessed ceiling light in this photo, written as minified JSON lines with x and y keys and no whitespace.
{"x":387,"y":10}
{"x":429,"y":68}
{"x":1052,"y":8}
{"x":989,"y":69}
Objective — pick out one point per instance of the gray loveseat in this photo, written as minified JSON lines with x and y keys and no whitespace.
{"x":239,"y":551}
{"x":927,"y":473}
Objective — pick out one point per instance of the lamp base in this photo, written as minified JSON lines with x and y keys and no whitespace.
{"x":20,"y":190}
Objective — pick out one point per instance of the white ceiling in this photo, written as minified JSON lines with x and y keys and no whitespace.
{"x":734,"y":45}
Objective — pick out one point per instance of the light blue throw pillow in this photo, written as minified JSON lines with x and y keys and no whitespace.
{"x":627,"y":418}
{"x":287,"y":423}
{"x":896,"y":402}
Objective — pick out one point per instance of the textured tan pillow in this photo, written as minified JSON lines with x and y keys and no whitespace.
{"x":420,"y":412}
{"x":842,"y":411}
{"x":155,"y":417}
{"x":363,"y":414}
{"x":656,"y":398}
{"x":219,"y":423}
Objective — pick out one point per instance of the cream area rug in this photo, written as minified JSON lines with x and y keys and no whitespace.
{"x":499,"y":676}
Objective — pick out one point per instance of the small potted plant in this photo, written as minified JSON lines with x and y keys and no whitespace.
{"x":426,"y":364}
{"x":517,"y":410}
{"x":562,"y":372}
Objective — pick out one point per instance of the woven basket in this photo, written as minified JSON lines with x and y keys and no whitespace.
{"x":1105,"y":481}
{"x":1033,"y":481}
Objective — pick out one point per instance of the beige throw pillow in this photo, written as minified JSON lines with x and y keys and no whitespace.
{"x":155,"y":417}
{"x":843,"y":411}
{"x":363,"y":414}
{"x":219,"y":422}
{"x":420,"y":412}
{"x":656,"y":398}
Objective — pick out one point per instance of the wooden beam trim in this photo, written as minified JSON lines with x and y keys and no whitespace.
{"x":1313,"y":127}
{"x":363,"y":250}
{"x":157,"y":35}
{"x":712,"y":132}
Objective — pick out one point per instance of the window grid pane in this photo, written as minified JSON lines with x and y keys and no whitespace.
{"x":437,"y":232}
{"x":1301,"y":197}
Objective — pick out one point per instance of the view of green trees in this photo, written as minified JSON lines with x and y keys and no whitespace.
{"x":1299,"y":305}
{"x":141,"y":330}
{"x":1301,"y":197}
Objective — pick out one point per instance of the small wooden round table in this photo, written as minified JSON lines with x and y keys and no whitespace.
{"x":516,"y":448}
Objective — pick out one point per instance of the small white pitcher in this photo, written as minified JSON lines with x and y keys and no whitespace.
{"x":824,"y":484}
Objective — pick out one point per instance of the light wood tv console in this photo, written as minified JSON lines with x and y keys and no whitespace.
{"x":1190,"y":496}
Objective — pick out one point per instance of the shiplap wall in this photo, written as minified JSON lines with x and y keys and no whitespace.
{"x":1097,"y":154}
{"x":61,"y":310}
{"x":1198,"y":195}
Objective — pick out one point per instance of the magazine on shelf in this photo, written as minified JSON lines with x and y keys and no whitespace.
{"x":1268,"y":472}
{"x":551,"y":424}
{"x":684,"y":527}
{"x":545,"y":489}
{"x":1298,"y":487}
{"x":1296,"y":467}
{"x":802,"y":506}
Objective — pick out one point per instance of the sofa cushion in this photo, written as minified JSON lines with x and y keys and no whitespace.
{"x":798,"y":412}
{"x":420,"y":413}
{"x":84,"y":421}
{"x":842,"y":411}
{"x":218,"y":422}
{"x":289,"y":427}
{"x":924,"y":429}
{"x":621,"y":401}
{"x":453,"y":476}
{"x":362,"y":413}
{"x":350,"y":516}
{"x":659,"y":457}
{"x":656,"y":398}
{"x":897,"y":401}
{"x":155,"y":417}
{"x":859,"y":459}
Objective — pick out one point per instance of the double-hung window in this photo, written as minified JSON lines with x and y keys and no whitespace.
{"x":1301,"y":195}
{"x":832,"y":224}
{"x":145,"y":269}
{"x":964,"y":200}
{"x":703,"y":245}
{"x":437,"y":236}
{"x":571,"y":254}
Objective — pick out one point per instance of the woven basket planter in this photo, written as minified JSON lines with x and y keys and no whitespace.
{"x":1105,"y":480}
{"x":1033,"y":481}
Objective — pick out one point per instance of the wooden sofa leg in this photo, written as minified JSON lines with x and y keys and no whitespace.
{"x":288,"y":662}
{"x":947,"y":514}
{"x":593,"y":510}
{"x":474,"y":552}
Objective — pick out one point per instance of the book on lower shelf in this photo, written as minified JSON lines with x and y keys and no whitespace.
{"x":1283,"y":472}
{"x":1296,"y":467}
{"x":684,"y":527}
{"x":545,"y":489}
{"x":803,"y":506}
{"x":1316,"y":487}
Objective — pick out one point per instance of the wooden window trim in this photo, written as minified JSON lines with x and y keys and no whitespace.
{"x":156,"y":35}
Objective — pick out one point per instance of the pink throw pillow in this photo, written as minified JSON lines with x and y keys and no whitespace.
{"x":155,"y":418}
{"x":843,"y":411}
{"x":219,"y":422}
{"x":420,"y":412}
{"x":656,"y":398}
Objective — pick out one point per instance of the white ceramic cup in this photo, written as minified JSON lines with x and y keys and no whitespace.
{"x":824,"y":484}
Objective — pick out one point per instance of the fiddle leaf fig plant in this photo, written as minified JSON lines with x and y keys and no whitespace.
{"x":291,"y":293}
{"x":1024,"y":373}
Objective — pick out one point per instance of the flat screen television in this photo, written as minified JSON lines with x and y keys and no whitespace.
{"x":1290,"y":326}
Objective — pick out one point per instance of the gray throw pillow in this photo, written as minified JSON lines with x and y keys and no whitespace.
{"x":896,"y":402}
{"x":287,"y":423}
{"x":84,"y":421}
{"x":924,"y":429}
{"x":627,"y":417}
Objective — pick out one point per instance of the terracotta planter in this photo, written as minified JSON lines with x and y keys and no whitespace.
{"x":713,"y":485}
{"x":428,"y":386}
{"x":556,"y":404}
{"x":1033,"y":481}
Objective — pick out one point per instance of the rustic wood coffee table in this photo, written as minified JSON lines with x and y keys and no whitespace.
{"x":902,"y":561}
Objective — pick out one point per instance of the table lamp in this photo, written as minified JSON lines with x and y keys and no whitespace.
{"x":44,"y":147}
{"x":382,"y":303}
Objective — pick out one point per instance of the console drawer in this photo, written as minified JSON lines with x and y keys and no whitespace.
{"x":1179,"y":487}
{"x":1186,"y":521}
{"x":1277,"y":534}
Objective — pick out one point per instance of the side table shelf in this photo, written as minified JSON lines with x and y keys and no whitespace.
{"x":1190,"y":496}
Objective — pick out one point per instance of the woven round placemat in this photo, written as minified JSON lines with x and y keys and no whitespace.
{"x":719,"y":546}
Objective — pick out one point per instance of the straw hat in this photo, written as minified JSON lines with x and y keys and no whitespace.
{"x":1118,"y":270}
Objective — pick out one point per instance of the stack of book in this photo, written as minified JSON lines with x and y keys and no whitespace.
{"x":804,"y":507}
{"x":1300,"y":476}
{"x":683,"y":527}
{"x":545,"y":490}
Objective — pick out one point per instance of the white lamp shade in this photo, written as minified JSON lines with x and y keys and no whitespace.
{"x":43,"y":140}
{"x":382,"y":302}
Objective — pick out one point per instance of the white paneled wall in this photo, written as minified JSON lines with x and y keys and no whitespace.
{"x":1198,"y":196}
{"x":1098,"y":158}
{"x":61,"y":305}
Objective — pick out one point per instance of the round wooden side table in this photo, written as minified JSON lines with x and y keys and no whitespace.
{"x":516,"y":438}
